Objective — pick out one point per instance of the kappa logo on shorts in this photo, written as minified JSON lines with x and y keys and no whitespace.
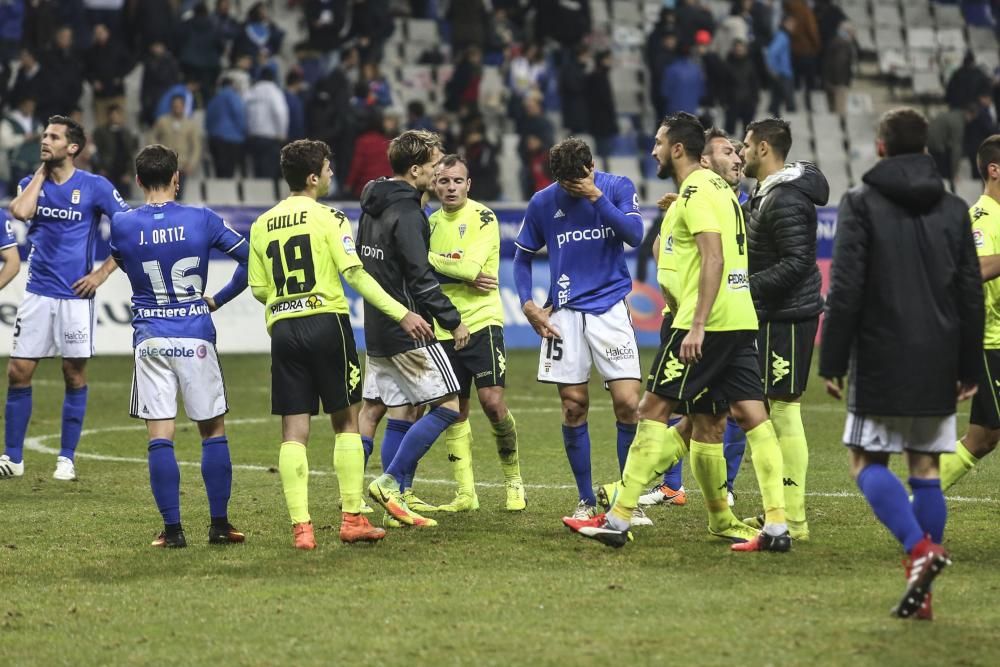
{"x":673,"y":369}
{"x":501,"y":361}
{"x":354,"y":377}
{"x":779,"y":367}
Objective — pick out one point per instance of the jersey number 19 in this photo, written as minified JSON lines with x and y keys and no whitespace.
{"x":297,"y":252}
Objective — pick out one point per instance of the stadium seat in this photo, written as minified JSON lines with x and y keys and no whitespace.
{"x":221,"y":192}
{"x":888,"y":38}
{"x":422,"y":31}
{"x":968,"y":189}
{"x":953,"y":39}
{"x":865,"y":39}
{"x":981,"y":39}
{"x":888,"y":15}
{"x":921,"y":38}
{"x":258,"y":191}
{"x":927,"y":84}
{"x":922,"y":60}
{"x":917,"y":14}
{"x":625,"y":166}
{"x":858,"y":14}
{"x":948,"y":16}
{"x":628,"y":13}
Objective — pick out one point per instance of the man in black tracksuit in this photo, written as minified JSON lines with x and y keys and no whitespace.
{"x":904,"y":320}
{"x":785,"y":285}
{"x":393,"y":237}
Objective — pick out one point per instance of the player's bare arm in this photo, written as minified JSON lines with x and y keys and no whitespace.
{"x":710,"y":250}
{"x":989,"y":266}
{"x":87,"y":286}
{"x":11,"y":265}
{"x":24,"y":205}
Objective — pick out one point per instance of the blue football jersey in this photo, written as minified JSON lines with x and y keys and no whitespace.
{"x":7,"y":238}
{"x":164,"y":251}
{"x":586,"y":258}
{"x":63,"y":231}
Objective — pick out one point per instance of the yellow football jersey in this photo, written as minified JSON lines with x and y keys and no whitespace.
{"x":986,"y":232}
{"x":666,"y":268}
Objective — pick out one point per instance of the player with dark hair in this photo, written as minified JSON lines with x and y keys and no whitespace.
{"x":297,"y":250}
{"x":785,"y":285}
{"x":984,"y":422}
{"x":904,"y":320}
{"x":393,"y":239}
{"x":62,"y":206}
{"x":709,"y":355}
{"x":584,"y":219}
{"x":163,"y":247}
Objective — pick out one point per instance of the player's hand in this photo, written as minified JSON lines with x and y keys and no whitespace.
{"x":416,"y":327}
{"x":485,"y":283}
{"x":86,"y":287}
{"x":538,"y":318}
{"x":664,"y":202}
{"x":835,"y":387}
{"x":691,"y":345}
{"x":212,"y":306}
{"x":461,"y":336}
{"x":966,"y":391}
{"x":583,"y":187}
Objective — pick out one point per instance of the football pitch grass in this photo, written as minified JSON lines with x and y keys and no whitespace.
{"x":80,"y":585}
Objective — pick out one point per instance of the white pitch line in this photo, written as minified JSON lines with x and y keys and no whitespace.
{"x":35,"y":444}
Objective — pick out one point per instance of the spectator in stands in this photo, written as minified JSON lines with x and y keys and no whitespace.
{"x":982,"y":124}
{"x":779,"y":66}
{"x":295,"y":97}
{"x":259,"y":34}
{"x":573,"y":91}
{"x":241,"y":73}
{"x":325,"y":21}
{"x":226,"y":24}
{"x":946,"y":140}
{"x":828,"y":19}
{"x":29,"y":79}
{"x":178,"y":131}
{"x":444,"y":129}
{"x":838,"y":68}
{"x":417,"y":118}
{"x":40,"y":20}
{"x":267,"y":125}
{"x":63,"y":76}
{"x":20,"y":134}
{"x":966,"y":83}
{"x":200,"y":47}
{"x":468,"y":19}
{"x":502,"y":34}
{"x":805,"y":46}
{"x":109,"y":12}
{"x":226,"y":127}
{"x":371,"y":26}
{"x":736,"y":26}
{"x":481,"y":157}
{"x":692,"y":16}
{"x":526,"y":74}
{"x":116,"y":149}
{"x":377,"y":92}
{"x":11,"y":23}
{"x":160,"y":72}
{"x":188,"y":90}
{"x":682,"y":85}
{"x":566,"y":22}
{"x":661,"y":56}
{"x":601,"y":114}
{"x":535,"y":166}
{"x":463,"y":86}
{"x":713,"y":67}
{"x":151,"y":21}
{"x":742,"y":91}
{"x":330,"y":116}
{"x":534,"y":122}
{"x":371,"y":159}
{"x":105,"y":65}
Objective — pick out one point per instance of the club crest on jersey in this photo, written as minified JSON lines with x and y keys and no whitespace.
{"x":349,"y":245}
{"x":461,"y":230}
{"x":75,"y":197}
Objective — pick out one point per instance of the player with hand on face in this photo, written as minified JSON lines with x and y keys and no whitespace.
{"x":63,"y":206}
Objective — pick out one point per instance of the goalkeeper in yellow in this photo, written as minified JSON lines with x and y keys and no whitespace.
{"x":465,"y":253}
{"x":297,"y":250}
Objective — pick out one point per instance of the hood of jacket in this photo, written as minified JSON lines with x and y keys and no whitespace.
{"x":910,"y":181}
{"x":382,"y":193}
{"x":803,"y":176}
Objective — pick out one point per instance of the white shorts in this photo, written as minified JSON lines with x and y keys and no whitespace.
{"x":49,"y":327}
{"x":928,"y":435}
{"x":369,"y":390}
{"x":164,"y":365}
{"x":416,"y":377}
{"x":606,"y":340}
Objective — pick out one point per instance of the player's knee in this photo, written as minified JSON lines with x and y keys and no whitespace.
{"x":75,"y":376}
{"x":494,"y":406}
{"x":574,"y":411}
{"x":18,"y":375}
{"x":627,"y":412}
{"x":653,"y":407}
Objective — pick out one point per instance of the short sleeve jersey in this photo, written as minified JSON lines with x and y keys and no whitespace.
{"x":587,"y":267}
{"x":986,"y":233}
{"x":297,"y":251}
{"x":63,"y":231}
{"x":469,"y":233}
{"x":707,"y":204}
{"x":164,"y":250}
{"x":7,"y":238}
{"x":666,"y":267}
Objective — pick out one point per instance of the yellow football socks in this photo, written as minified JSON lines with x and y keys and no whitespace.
{"x":458,"y":438}
{"x":766,"y":455}
{"x":787,"y":420}
{"x":293,"y":466}
{"x":505,"y":433}
{"x":349,"y":464}
{"x":655,"y":449}
{"x":954,"y":466}
{"x":709,"y":467}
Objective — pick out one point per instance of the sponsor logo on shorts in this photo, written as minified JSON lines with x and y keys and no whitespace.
{"x":78,"y":337}
{"x":738,"y":280}
{"x":176,"y":352}
{"x":672,"y":370}
{"x":779,"y":367}
{"x":297,"y":305}
{"x":620,"y":353}
{"x":354,"y":376}
{"x":501,"y":361}
{"x":483,"y":374}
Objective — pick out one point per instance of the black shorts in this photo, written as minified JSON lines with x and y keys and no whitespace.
{"x":986,"y":402}
{"x":728,"y":369}
{"x":483,"y":360}
{"x":701,"y":405}
{"x":313,"y":358}
{"x":786,"y":350}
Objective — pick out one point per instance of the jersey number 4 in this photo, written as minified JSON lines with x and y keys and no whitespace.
{"x":297,"y":256}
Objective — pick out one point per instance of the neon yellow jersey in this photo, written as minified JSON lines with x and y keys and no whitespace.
{"x":666,"y":267}
{"x":707,"y":204}
{"x":297,"y":250}
{"x":986,"y":232}
{"x":463,"y":245}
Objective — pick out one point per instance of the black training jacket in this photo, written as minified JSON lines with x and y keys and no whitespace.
{"x":904,"y":314}
{"x":393,"y":237}
{"x":781,"y":235}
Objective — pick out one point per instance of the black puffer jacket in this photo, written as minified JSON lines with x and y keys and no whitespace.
{"x":904,"y":315}
{"x":781,"y":226}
